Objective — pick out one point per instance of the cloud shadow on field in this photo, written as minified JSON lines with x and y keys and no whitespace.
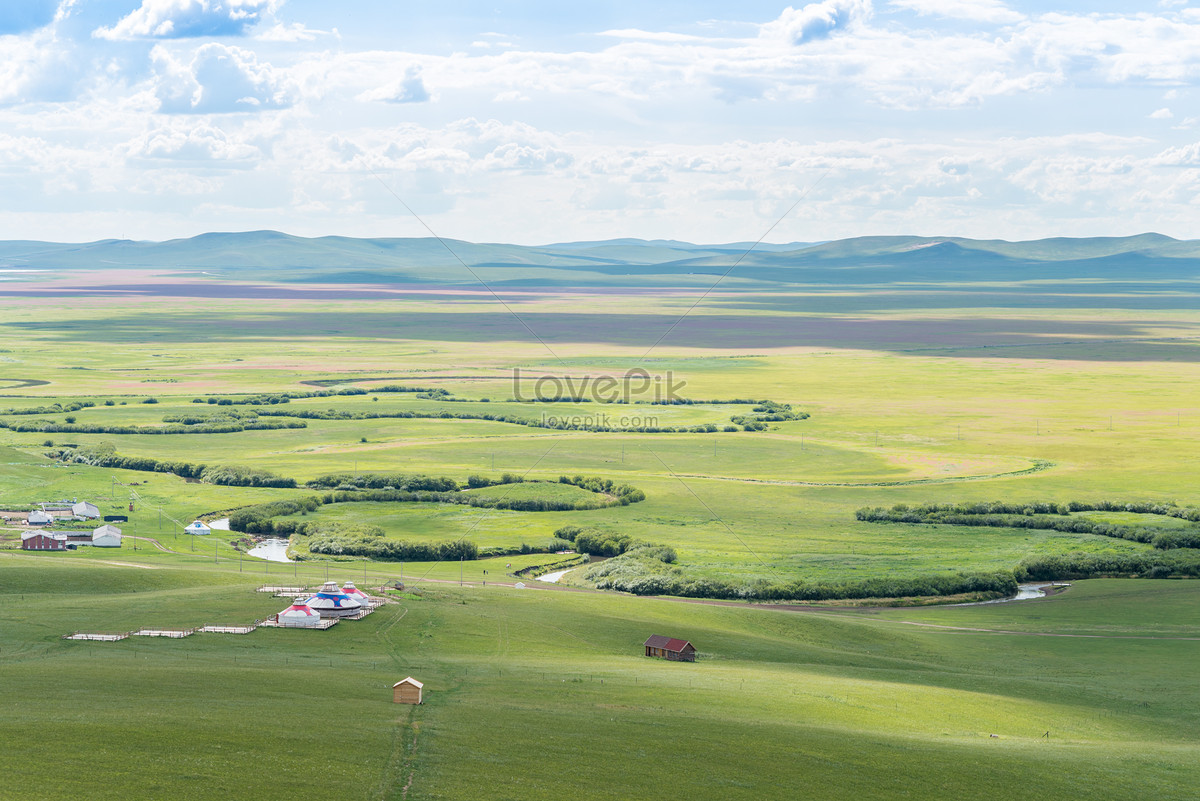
{"x":958,"y":337}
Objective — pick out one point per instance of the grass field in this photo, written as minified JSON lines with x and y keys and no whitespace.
{"x":542,"y":693}
{"x":537,"y":694}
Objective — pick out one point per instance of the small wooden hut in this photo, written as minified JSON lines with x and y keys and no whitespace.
{"x":407,"y":691}
{"x":670,"y":648}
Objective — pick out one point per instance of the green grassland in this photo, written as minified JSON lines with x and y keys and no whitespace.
{"x":538,"y":694}
{"x":928,"y":425}
{"x":542,"y":693}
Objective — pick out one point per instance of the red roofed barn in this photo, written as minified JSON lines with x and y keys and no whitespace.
{"x":670,"y":648}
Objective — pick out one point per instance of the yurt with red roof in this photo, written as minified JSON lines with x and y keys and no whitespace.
{"x":356,"y":594}
{"x":330,"y":601}
{"x":298,"y":616}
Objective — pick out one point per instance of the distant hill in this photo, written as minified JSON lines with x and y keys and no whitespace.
{"x":884,"y":260}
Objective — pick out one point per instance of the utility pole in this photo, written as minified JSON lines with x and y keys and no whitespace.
{"x":460,"y":571}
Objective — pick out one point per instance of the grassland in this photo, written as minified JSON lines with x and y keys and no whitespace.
{"x":537,"y":694}
{"x":542,"y":693}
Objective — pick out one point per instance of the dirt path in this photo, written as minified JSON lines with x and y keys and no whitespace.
{"x":969,"y":630}
{"x":1037,"y":467}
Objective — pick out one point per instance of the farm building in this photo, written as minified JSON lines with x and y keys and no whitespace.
{"x":407,"y":691}
{"x":670,"y":648}
{"x":298,"y":616}
{"x":43,"y":541}
{"x":107,"y":537}
{"x":332,"y":602}
{"x":88,"y":511}
{"x":40,"y":518}
{"x":197,"y":527}
{"x":77,"y":537}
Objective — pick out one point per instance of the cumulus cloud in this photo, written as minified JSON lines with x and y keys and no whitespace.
{"x":1185,"y":156}
{"x":218,"y":78}
{"x":817,"y":20}
{"x":408,"y":89}
{"x":202,"y":143}
{"x":180,"y":19}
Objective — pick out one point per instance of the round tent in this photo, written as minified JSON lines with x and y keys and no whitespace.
{"x":197,"y":527}
{"x":298,"y":615}
{"x":332,"y":602}
{"x":356,"y":594}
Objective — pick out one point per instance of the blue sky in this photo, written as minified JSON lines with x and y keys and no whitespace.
{"x":539,"y":122}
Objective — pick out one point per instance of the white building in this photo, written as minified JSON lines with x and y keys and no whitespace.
{"x":198,"y":527}
{"x":40,"y":518}
{"x":88,"y":511}
{"x":107,"y":537}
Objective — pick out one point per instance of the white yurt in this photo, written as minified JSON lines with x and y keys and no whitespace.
{"x":356,"y":594}
{"x":197,"y":527}
{"x":298,"y":616}
{"x":107,"y":537}
{"x":330,"y":601}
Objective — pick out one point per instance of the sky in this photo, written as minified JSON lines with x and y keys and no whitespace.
{"x":537,"y":122}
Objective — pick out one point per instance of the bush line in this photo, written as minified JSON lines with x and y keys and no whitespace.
{"x":1051,"y":516}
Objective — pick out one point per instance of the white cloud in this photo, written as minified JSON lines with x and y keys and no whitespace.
{"x":296,"y":32}
{"x":992,"y":11}
{"x":218,"y":78}
{"x":194,"y":143}
{"x":1185,"y":156}
{"x":408,"y":89}
{"x":177,"y":19}
{"x":1161,"y":114}
{"x":817,"y":20}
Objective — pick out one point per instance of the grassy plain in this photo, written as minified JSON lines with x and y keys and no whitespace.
{"x":539,"y":694}
{"x":542,"y":693}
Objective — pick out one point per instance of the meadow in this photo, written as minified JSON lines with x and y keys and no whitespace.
{"x":541,"y":692}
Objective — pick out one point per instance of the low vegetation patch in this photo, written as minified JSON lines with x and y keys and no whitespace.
{"x":1051,"y":516}
{"x":104,"y":455}
{"x":649,"y":570}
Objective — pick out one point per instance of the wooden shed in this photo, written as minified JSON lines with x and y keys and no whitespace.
{"x":407,"y":691}
{"x":670,"y":648}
